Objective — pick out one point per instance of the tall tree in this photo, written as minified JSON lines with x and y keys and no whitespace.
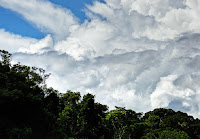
{"x":21,"y":99}
{"x":91,"y":117}
{"x":68,"y":117}
{"x":120,"y":121}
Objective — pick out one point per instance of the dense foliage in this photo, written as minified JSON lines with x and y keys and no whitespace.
{"x":30,"y":110}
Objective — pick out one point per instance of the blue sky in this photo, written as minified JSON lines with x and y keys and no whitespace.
{"x":76,"y":6}
{"x":15,"y":23}
{"x":138,"y":54}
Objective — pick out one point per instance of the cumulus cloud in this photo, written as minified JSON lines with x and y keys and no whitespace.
{"x":140,"y":54}
{"x":16,"y":43}
{"x":40,"y":46}
{"x":140,"y":80}
{"x":12,"y":42}
{"x":167,"y":94}
{"x":172,"y":19}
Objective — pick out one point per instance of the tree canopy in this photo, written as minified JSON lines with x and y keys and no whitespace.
{"x":29,"y":109}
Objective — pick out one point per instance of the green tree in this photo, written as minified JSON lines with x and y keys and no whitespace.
{"x":168,"y":134}
{"x":166,"y":119}
{"x":52,"y":108}
{"x":68,"y":117}
{"x":91,"y":117}
{"x":28,"y":109}
{"x":138,"y":129}
{"x":153,"y":121}
{"x":22,"y":99}
{"x":81,"y":118}
{"x":121,"y":120}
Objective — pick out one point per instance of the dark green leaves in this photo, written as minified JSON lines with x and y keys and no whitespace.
{"x":28,"y":109}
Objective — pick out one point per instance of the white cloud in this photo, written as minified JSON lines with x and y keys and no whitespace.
{"x":130,"y":78}
{"x":39,"y":47}
{"x":75,"y":48}
{"x":173,"y":18}
{"x":140,"y":54}
{"x":102,"y":9}
{"x":12,"y":42}
{"x":156,"y":8}
{"x":45,"y":15}
{"x":16,"y":43}
{"x":166,"y":91}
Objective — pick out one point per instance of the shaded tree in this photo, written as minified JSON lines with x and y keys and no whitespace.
{"x":68,"y":117}
{"x":22,"y":98}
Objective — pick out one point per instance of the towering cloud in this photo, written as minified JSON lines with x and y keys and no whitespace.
{"x":141,"y":54}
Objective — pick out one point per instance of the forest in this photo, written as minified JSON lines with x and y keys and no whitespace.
{"x":31,"y":110}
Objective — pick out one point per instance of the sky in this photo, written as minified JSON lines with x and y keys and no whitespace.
{"x":138,"y":54}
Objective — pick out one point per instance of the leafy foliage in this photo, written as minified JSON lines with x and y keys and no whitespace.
{"x":28,"y":109}
{"x":22,"y":100}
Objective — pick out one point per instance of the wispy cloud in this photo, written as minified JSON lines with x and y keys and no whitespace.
{"x":44,"y":15}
